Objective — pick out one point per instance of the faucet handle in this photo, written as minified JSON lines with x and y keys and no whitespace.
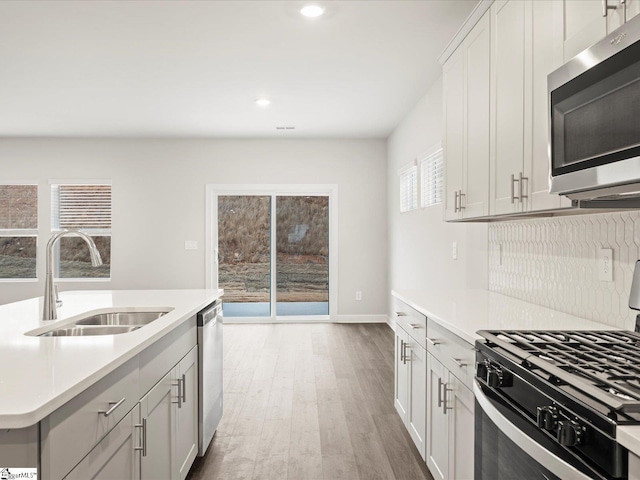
{"x":58,"y":301}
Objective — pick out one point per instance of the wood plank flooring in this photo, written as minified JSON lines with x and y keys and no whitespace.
{"x":309,"y":402}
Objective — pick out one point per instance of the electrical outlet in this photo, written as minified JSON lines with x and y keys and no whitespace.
{"x":454,"y":250}
{"x":190,"y":244}
{"x":358,"y":295}
{"x":605,"y":265}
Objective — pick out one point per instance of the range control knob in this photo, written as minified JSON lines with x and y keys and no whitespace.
{"x":495,"y":378}
{"x":570,"y":433}
{"x":481,"y":371}
{"x":547,"y":417}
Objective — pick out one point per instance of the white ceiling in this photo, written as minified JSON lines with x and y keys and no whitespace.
{"x":195,"y":68}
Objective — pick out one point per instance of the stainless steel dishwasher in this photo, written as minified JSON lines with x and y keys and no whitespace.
{"x":209,"y":373}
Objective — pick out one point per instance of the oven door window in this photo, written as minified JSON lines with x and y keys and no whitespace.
{"x":508,"y":446}
{"x":595,"y":117}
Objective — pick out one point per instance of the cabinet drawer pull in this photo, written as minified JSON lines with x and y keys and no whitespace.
{"x":401,"y":314}
{"x":434,"y":341}
{"x":143,"y":426}
{"x":459,"y":362}
{"x":415,"y":325}
{"x":184,"y":389}
{"x":115,"y":405}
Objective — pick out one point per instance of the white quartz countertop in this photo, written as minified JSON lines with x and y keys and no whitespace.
{"x":465,"y":311}
{"x":40,"y":374}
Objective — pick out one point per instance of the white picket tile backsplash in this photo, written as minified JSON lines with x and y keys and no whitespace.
{"x":552,"y":262}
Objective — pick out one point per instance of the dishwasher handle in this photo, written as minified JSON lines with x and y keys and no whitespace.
{"x":210,"y":313}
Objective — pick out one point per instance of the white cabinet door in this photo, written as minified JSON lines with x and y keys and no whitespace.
{"x":545,"y":49}
{"x":156,"y":413}
{"x":477,"y":54}
{"x":507,"y":106}
{"x":115,"y":456}
{"x":438,"y":432}
{"x":584,"y":24}
{"x":186,"y":414}
{"x":401,"y":401}
{"x":453,"y":92}
{"x":632,"y":8}
{"x":416,"y":415}
{"x":461,"y":429}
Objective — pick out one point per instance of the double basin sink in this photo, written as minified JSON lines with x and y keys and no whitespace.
{"x":109,"y":323}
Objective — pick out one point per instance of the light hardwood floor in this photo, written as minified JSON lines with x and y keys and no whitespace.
{"x":309,"y":402}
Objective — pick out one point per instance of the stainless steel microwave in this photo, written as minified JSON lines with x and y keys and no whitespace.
{"x":595,"y":120}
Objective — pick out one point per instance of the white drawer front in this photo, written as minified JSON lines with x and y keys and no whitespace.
{"x":70,"y":432}
{"x":411,"y":321}
{"x":453,"y":352}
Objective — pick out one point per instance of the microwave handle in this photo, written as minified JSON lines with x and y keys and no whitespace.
{"x":544,"y":457}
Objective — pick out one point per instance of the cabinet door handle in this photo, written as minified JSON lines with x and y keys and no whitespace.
{"x":402,"y":350}
{"x":444,"y":399}
{"x":434,"y":341}
{"x":606,"y":7}
{"x":143,"y":426}
{"x":184,"y":389}
{"x":521,"y":187}
{"x":455,"y":201}
{"x":406,"y":356}
{"x":460,"y":195}
{"x":179,"y":385}
{"x":439,"y":392}
{"x":459,"y":362}
{"x":513,"y":188}
{"x":114,"y":405}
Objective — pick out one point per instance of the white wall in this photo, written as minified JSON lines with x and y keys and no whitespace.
{"x":420,"y":242}
{"x":159,"y":202}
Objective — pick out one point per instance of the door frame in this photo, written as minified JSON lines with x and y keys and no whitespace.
{"x":213,"y":191}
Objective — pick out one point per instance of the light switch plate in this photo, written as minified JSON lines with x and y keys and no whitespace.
{"x":454,"y":250}
{"x":605,"y":264}
{"x":190,"y":244}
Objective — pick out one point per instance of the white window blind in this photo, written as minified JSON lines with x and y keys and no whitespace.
{"x":85,"y":207}
{"x":409,"y":189}
{"x":431,"y":179}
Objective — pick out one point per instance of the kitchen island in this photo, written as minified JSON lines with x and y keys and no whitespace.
{"x":57,"y":390}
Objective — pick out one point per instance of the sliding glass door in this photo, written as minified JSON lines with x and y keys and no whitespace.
{"x":272,"y":253}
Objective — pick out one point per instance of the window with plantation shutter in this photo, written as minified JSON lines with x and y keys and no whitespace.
{"x":431,"y":179}
{"x":84,"y":207}
{"x":408,"y":188}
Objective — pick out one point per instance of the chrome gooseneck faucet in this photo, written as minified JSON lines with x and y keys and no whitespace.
{"x":49,"y":311}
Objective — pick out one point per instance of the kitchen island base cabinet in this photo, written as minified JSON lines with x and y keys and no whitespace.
{"x":115,"y":456}
{"x":634,"y":467}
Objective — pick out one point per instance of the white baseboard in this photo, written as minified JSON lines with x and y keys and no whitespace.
{"x":360,"y":318}
{"x":392,"y":323}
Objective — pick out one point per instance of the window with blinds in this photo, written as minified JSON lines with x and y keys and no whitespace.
{"x":18,"y":231}
{"x":409,"y":189}
{"x":86,"y":208}
{"x":431,"y":179}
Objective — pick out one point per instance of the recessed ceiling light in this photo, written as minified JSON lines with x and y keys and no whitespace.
{"x":263,"y":102}
{"x":312,"y":11}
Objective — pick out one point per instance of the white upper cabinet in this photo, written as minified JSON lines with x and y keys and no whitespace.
{"x":545,"y":48}
{"x":466,"y":119}
{"x":507,"y":106}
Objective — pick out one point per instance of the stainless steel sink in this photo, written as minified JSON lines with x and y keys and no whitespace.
{"x":86,"y":330}
{"x":121,"y":318}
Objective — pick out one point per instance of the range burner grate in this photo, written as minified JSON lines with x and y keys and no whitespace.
{"x":602,"y":364}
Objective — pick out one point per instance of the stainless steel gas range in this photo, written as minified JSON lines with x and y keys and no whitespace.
{"x":548,"y":403}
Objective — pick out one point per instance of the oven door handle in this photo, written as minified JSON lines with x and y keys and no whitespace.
{"x":544,"y":457}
